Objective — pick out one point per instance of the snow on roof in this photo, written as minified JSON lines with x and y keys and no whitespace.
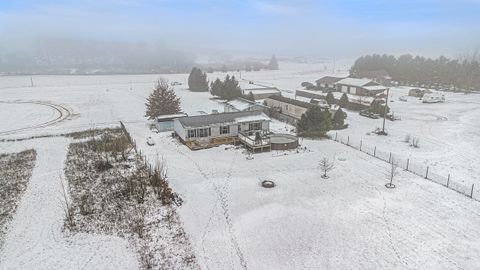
{"x":295,"y":102}
{"x":251,"y":118}
{"x":167,"y":117}
{"x":354,"y":82}
{"x":265,"y":90}
{"x":375,"y":88}
{"x":222,"y":118}
{"x":242,"y":104}
{"x":329,"y":80}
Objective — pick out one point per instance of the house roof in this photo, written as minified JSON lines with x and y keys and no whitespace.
{"x":328,"y":80}
{"x":243,"y":104}
{"x":295,"y":102}
{"x":355,"y":82}
{"x":261,"y":90}
{"x":222,"y":118}
{"x":169,"y":117}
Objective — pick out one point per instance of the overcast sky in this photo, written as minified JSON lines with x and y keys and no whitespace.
{"x":342,"y":28}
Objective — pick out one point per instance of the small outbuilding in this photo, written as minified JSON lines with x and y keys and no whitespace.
{"x":360,"y":87}
{"x":328,"y":82}
{"x":164,"y":123}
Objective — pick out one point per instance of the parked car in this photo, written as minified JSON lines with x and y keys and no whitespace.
{"x":403,"y":98}
{"x":175,"y":83}
{"x":368,"y":114}
{"x":150,"y":141}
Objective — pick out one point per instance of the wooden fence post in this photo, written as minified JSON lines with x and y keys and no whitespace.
{"x":426,"y":174}
{"x":375,"y":151}
{"x":360,"y":145}
{"x":471,"y":193}
{"x":348,"y":140}
{"x":336,"y":134}
{"x":448,"y":180}
{"x":408,"y":163}
{"x":390,"y":158}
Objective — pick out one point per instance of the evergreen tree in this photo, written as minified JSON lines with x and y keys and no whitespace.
{"x":343,"y":102}
{"x":273,"y":64}
{"x":378,"y":107}
{"x":231,"y":89}
{"x":162,"y":101}
{"x":339,"y":118}
{"x":314,"y":123}
{"x":330,"y":98}
{"x":197,"y":81}
{"x":216,"y":87}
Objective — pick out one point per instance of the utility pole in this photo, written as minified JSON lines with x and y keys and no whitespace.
{"x":385,"y":112}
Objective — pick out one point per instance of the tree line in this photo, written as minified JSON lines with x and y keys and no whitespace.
{"x":442,"y":72}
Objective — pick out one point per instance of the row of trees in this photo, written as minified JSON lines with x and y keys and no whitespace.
{"x":227,"y":89}
{"x":409,"y":70}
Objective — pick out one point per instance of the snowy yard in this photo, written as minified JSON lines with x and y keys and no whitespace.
{"x":348,"y":221}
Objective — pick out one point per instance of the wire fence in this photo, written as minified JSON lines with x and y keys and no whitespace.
{"x":407,"y":164}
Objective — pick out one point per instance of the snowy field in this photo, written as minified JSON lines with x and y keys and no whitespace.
{"x":350,"y":221}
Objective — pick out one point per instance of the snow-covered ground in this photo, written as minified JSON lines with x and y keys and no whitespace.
{"x":35,"y":239}
{"x":448,"y":132}
{"x":348,"y":221}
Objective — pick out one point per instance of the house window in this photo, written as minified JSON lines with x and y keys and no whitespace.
{"x":192,"y":133}
{"x":203,"y":132}
{"x":255,"y":126}
{"x":224,"y":129}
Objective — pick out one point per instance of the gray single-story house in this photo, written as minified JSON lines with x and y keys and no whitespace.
{"x":203,"y":131}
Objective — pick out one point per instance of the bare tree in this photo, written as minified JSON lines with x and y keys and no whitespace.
{"x":325,"y":165}
{"x":391,"y":173}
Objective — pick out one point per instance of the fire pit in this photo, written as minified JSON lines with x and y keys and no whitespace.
{"x":268,"y":184}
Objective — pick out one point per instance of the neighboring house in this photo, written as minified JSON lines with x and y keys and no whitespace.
{"x":380,"y":76}
{"x":261,"y":92}
{"x":360,"y":87}
{"x":327,"y":82}
{"x":165,"y":122}
{"x":289,"y":107}
{"x":205,"y":131}
{"x":242,"y":105}
{"x":416,"y":92}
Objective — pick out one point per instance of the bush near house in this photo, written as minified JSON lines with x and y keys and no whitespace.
{"x":315,"y":123}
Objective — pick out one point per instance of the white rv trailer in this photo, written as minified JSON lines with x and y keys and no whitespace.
{"x":433,"y":98}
